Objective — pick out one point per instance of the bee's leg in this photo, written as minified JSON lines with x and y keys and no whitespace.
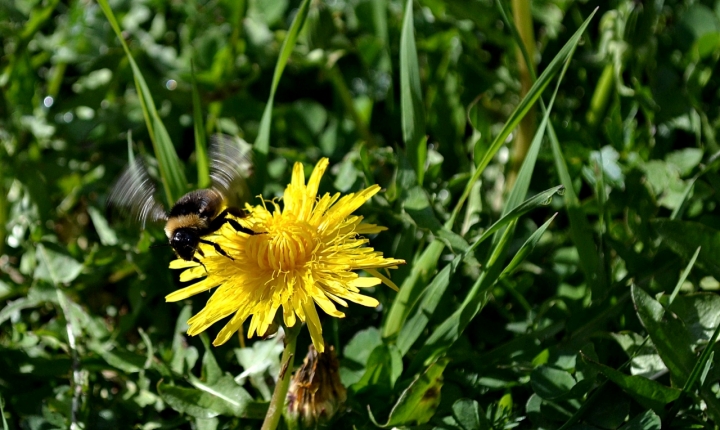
{"x":195,"y":259}
{"x":217,"y":247}
{"x":239,"y":228}
{"x":222,"y":219}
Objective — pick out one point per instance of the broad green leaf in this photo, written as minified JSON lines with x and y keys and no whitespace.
{"x":260,"y":362}
{"x":15,"y":306}
{"x":171,"y":171}
{"x":262,"y":142}
{"x":383,"y":368}
{"x":105,"y":232}
{"x":527,"y":102}
{"x":411,"y":103}
{"x":201,"y":154}
{"x":211,"y":371}
{"x":699,"y":313}
{"x":225,"y":397}
{"x":206,"y":423}
{"x":469,"y":415}
{"x":700,"y":316}
{"x":418,"y":402}
{"x":361,"y":345}
{"x":126,"y":361}
{"x":356,"y":354}
{"x":55,"y":266}
{"x":644,"y":360}
{"x":648,"y":393}
{"x":647,"y":420}
{"x":550,"y":382}
{"x":669,"y":335}
{"x":180,"y":348}
{"x":684,"y":237}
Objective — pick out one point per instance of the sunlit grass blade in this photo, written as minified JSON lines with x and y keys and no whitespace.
{"x":411,"y":104}
{"x":2,"y":414}
{"x":201,"y":155}
{"x":413,"y":326}
{"x":171,"y":171}
{"x":411,"y":288}
{"x":532,"y":96}
{"x":684,"y":275}
{"x":434,"y":291}
{"x":580,"y":231}
{"x":445,"y":335}
{"x":262,"y":142}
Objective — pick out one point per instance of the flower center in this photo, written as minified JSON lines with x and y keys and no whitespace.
{"x":287,"y":245}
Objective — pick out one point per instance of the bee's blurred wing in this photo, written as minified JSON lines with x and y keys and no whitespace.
{"x":230,"y":165}
{"x":134,"y":194}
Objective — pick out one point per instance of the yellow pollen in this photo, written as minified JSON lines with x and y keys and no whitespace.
{"x":288,"y":244}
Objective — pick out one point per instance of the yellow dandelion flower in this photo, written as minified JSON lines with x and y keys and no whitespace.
{"x":306,"y":257}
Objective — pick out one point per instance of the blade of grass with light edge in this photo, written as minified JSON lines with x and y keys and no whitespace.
{"x":411,"y":104}
{"x":684,"y":275}
{"x":411,"y":288}
{"x":580,"y":232}
{"x":171,"y":171}
{"x":262,"y":142}
{"x":520,"y":111}
{"x":430,"y":298}
{"x":201,"y":155}
{"x":452,"y":327}
{"x":450,"y":330}
{"x":2,"y":411}
{"x":426,"y":304}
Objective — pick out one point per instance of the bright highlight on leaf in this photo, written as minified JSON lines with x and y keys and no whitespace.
{"x":305,"y":254}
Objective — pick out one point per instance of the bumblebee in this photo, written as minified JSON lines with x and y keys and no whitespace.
{"x":198,"y":213}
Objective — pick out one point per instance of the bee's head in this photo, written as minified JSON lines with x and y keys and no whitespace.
{"x":185,"y":242}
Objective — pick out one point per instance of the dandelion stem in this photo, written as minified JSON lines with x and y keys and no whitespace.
{"x":277,"y":403}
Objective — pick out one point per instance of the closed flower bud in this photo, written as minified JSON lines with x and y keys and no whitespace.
{"x":316,"y":393}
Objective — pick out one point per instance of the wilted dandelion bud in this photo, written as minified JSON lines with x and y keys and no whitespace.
{"x":316,"y":393}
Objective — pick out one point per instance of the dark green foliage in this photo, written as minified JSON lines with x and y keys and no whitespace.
{"x":584,"y":296}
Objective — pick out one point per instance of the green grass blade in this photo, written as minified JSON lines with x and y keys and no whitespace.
{"x":171,"y":171}
{"x":580,"y":232}
{"x":522,"y":183}
{"x":436,"y":289}
{"x":411,"y":288}
{"x":201,"y":155}
{"x":684,"y":275}
{"x":426,"y":304}
{"x":2,"y":414}
{"x":262,"y":142}
{"x":411,"y":104}
{"x":532,"y":96}
{"x":445,"y":335}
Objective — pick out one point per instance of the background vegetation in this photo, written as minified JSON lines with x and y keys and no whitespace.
{"x":591,"y":306}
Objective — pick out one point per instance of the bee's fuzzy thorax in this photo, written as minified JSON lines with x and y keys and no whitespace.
{"x":191,"y":220}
